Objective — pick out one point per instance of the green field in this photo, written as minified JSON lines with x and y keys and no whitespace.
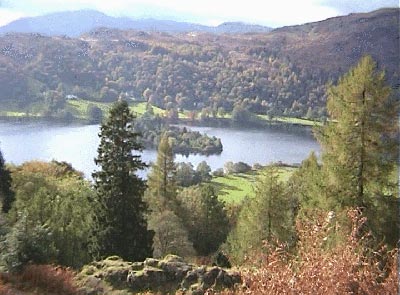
{"x":79,"y":108}
{"x":292,"y":120}
{"x":140,"y":109}
{"x":287,"y":120}
{"x":12,"y":114}
{"x":234,"y":188}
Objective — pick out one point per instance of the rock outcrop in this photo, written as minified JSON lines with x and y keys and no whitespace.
{"x":166,"y":275}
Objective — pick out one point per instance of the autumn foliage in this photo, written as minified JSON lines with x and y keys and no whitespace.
{"x":349,"y":268}
{"x":45,"y":279}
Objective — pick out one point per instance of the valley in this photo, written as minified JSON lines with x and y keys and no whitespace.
{"x":146,"y":156}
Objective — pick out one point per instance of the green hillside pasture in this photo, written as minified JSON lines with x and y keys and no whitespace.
{"x":291,"y":120}
{"x":12,"y":114}
{"x":79,"y":108}
{"x":140,"y":109}
{"x":234,"y":188}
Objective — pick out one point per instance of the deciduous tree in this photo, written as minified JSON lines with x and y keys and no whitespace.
{"x":205,"y":218}
{"x":46,"y":198}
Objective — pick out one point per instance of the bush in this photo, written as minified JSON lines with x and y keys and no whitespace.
{"x":239,"y":167}
{"x":346,"y":269}
{"x":44,"y":279}
{"x":218,"y":173}
{"x":26,"y":243}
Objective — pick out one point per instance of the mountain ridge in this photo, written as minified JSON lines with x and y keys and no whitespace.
{"x":75,"y":23}
{"x":283,"y":72}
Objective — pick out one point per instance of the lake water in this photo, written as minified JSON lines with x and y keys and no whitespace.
{"x":20,"y":142}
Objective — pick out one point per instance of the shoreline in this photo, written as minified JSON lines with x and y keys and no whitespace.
{"x":289,"y":125}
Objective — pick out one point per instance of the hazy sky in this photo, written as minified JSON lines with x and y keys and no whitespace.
{"x":272,"y":13}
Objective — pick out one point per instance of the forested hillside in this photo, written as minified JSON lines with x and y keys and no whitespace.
{"x":329,"y":224}
{"x":283,"y":72}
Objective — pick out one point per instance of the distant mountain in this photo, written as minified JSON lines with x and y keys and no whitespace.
{"x":335,"y":44}
{"x":239,"y":27}
{"x":282,"y":72}
{"x":75,"y":23}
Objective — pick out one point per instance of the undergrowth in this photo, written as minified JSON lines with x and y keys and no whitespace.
{"x":39,"y":279}
{"x":349,"y":268}
{"x":314,"y":268}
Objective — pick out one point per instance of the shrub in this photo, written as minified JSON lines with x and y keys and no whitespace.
{"x":239,"y":167}
{"x":218,"y":172}
{"x":345,"y":269}
{"x":25,"y":244}
{"x":44,"y":279}
{"x":49,"y":278}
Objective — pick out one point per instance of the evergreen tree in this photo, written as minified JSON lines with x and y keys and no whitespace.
{"x":6,"y":193}
{"x":359,"y":142}
{"x":121,"y":225}
{"x":161,"y":181}
{"x":360,"y":147}
{"x":170,"y":233}
{"x":306,"y":186}
{"x":27,"y":242}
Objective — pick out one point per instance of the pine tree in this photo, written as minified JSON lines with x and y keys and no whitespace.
{"x":121,"y":225}
{"x":6,"y":193}
{"x":359,"y":142}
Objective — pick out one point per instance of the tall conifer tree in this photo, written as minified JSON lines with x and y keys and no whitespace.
{"x":170,"y":233}
{"x":121,"y":225}
{"x":360,"y":148}
{"x":162,"y":178}
{"x":359,"y":143}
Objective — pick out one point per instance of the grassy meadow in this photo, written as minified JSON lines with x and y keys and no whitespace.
{"x":233,"y":188}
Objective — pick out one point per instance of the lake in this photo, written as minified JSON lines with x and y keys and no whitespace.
{"x":20,"y":142}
